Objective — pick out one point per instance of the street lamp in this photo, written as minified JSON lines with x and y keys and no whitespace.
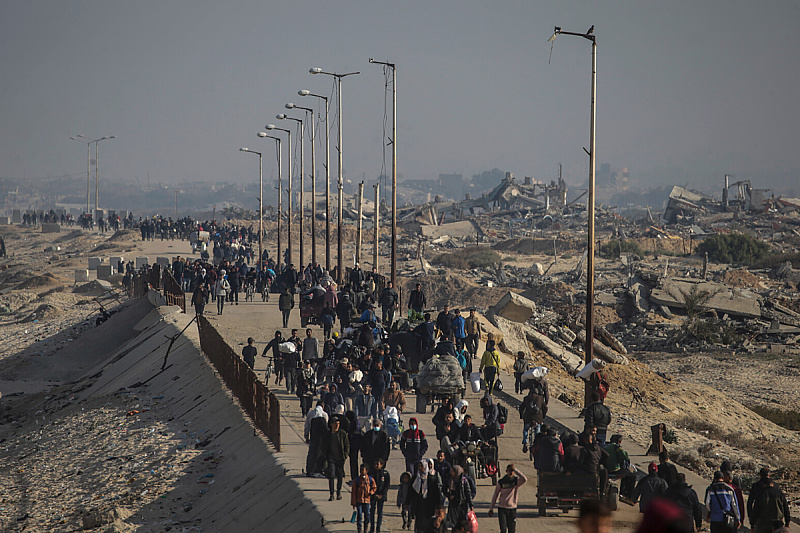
{"x":82,"y":139}
{"x":280,"y":192}
{"x":282,"y":116}
{"x":589,"y":36}
{"x":338,"y":77}
{"x":260,"y":200}
{"x":289,"y":191}
{"x":394,"y":168}
{"x":97,"y":170}
{"x":310,"y":112}
{"x":327,"y":181}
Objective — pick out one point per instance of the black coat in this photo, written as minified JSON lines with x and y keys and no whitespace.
{"x":374,"y":445}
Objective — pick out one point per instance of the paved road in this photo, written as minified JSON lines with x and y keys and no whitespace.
{"x":261,"y":320}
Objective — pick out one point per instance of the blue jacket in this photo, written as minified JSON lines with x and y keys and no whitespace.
{"x":458,"y":327}
{"x":366,"y":405}
{"x":720,"y":498}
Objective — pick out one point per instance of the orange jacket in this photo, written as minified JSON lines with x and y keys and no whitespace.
{"x":363,"y":489}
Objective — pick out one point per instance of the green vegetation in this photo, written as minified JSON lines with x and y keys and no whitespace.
{"x":776,"y":260}
{"x":736,"y":248}
{"x":786,"y":419}
{"x":467,"y":258}
{"x":615,"y":247}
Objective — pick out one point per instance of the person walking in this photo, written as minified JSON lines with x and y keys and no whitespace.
{"x":459,"y":331}
{"x":649,"y":487}
{"x":286,"y":304}
{"x":597,"y":416}
{"x":199,"y":297}
{"x":389,"y":300}
{"x":416,"y":300}
{"x":459,"y":494}
{"x":413,"y":445}
{"x":723,"y":511}
{"x":767,"y":505}
{"x":316,"y":426}
{"x":249,"y":353}
{"x":333,"y":450}
{"x":490,"y":364}
{"x":363,"y":488}
{"x":685,"y":497}
{"x":520,"y":367}
{"x":506,"y":494}
{"x":472,"y":327}
{"x":221,"y":289}
{"x":382,"y":483}
{"x":277,"y":358}
{"x":310,"y":348}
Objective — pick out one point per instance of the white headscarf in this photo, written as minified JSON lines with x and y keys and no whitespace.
{"x":420,"y":484}
{"x":459,"y":416}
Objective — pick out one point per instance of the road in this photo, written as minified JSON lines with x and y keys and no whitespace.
{"x":261,"y":320}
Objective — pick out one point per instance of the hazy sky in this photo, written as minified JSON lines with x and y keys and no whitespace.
{"x":707,"y":86}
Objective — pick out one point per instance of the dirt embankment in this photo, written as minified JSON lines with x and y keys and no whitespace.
{"x":453,"y":290}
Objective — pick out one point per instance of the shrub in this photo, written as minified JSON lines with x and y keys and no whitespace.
{"x":468,"y":258}
{"x":615,"y":247}
{"x":785,"y":419}
{"x":735,"y":248}
{"x":776,"y":260}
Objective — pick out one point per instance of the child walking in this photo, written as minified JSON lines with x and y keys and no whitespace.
{"x":363,"y":489}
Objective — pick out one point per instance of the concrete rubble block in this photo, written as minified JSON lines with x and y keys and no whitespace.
{"x":5,"y":221}
{"x":104,"y":271}
{"x":142,"y":261}
{"x":487,"y":328}
{"x":116,"y":260}
{"x":81,"y":275}
{"x":94,"y":262}
{"x":536,"y":269}
{"x":611,"y":341}
{"x":514,"y":307}
{"x":51,"y":228}
{"x":569,"y":360}
{"x":514,"y":340}
{"x":603,"y":351}
{"x":16,"y":216}
{"x":163,"y":261}
{"x":724,"y":298}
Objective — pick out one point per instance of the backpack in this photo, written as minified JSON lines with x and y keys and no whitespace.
{"x":528,"y":408}
{"x":502,"y":414}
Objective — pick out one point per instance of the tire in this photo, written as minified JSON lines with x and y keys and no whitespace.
{"x":542,"y":507}
{"x":613,"y":497}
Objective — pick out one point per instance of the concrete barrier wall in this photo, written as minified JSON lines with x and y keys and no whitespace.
{"x":251,"y":490}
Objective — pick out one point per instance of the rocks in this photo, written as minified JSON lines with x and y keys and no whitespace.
{"x":514,"y":307}
{"x":96,"y":518}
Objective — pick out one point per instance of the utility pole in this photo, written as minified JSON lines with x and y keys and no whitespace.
{"x":377,"y":228}
{"x":176,"y":204}
{"x":360,"y":216}
{"x":394,"y":168}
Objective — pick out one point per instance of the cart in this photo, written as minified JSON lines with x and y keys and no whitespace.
{"x":558,"y":490}
{"x":199,"y":241}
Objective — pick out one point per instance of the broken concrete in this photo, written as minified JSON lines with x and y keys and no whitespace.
{"x":514,"y":307}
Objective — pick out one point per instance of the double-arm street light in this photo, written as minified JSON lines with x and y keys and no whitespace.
{"x":394,"y":168}
{"x":282,"y":116}
{"x":327,"y":182}
{"x":82,"y":139}
{"x":310,"y":113}
{"x":280,"y":191}
{"x":289,"y":192}
{"x":260,"y":200}
{"x":316,"y":70}
{"x":588,"y":350}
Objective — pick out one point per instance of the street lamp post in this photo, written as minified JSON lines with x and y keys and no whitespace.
{"x":282,"y":116}
{"x":310,"y":113}
{"x":260,"y":200}
{"x":327,"y":181}
{"x":589,"y":348}
{"x":289,"y":225}
{"x":316,"y":70}
{"x":394,"y":168}
{"x":280,"y":192}
{"x":97,"y":170}
{"x":82,"y":139}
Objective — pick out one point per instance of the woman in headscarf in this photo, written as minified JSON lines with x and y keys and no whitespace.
{"x":426,"y":490}
{"x":460,"y":496}
{"x":460,"y":410}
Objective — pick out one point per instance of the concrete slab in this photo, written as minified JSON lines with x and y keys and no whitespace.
{"x":514,"y":307}
{"x":81,"y":275}
{"x":94,"y":262}
{"x":51,"y":228}
{"x":724,"y":299}
{"x":104,"y":271}
{"x":142,"y":261}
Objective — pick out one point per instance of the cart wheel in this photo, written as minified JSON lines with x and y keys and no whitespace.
{"x":613,"y":497}
{"x":542,"y":507}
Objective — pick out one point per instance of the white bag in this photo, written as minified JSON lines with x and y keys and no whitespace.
{"x":595,"y":366}
{"x":475,"y":381}
{"x":287,"y":347}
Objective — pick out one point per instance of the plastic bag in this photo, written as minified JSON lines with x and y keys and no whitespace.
{"x":287,"y":347}
{"x":475,"y":382}
{"x":472,"y":522}
{"x":498,"y":385}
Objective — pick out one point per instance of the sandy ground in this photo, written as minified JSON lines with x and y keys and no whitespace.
{"x":47,"y":424}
